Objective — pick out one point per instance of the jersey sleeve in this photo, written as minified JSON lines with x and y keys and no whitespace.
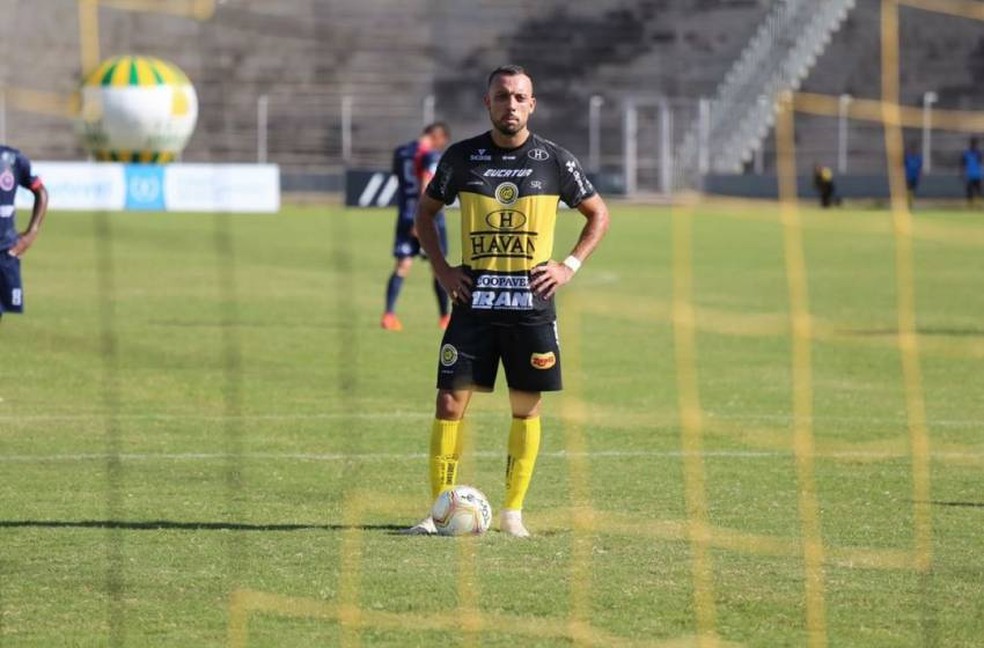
{"x":429,"y":162}
{"x":443,"y":185}
{"x":574,"y":183}
{"x":397,"y":164}
{"x":24,"y":175}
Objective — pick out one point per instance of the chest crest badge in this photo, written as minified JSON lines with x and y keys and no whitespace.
{"x":507,"y":193}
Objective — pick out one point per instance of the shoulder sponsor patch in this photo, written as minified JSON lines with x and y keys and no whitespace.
{"x":543,"y":360}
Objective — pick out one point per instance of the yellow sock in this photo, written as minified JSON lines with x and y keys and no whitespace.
{"x":445,"y":450}
{"x":524,"y":444}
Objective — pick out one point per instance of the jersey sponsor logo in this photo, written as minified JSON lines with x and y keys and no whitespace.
{"x":480,"y":156}
{"x":502,"y":300}
{"x":502,"y":281}
{"x":6,"y":211}
{"x":536,"y":184}
{"x":449,"y":355}
{"x":572,"y":169}
{"x":7,"y":181}
{"x":502,"y":292}
{"x":506,"y":219}
{"x":444,"y":174}
{"x":485,"y":245}
{"x":507,"y":193}
{"x":539,"y":154}
{"x":507,"y":173}
{"x":543,"y":360}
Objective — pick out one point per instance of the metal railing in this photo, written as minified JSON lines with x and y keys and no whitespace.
{"x":732,"y":125}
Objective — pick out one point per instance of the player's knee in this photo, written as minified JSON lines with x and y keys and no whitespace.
{"x":403,"y":266}
{"x":526,"y":413}
{"x":450,"y":406}
{"x":525,"y":405}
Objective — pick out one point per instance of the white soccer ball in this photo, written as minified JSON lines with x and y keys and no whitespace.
{"x":462,"y":510}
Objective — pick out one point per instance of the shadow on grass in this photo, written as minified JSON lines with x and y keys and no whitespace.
{"x":979,"y":505}
{"x":155,"y":525}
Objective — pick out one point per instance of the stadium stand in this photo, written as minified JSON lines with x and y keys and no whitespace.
{"x":940,"y":53}
{"x":307,"y":55}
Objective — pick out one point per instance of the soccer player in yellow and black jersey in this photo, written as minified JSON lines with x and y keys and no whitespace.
{"x":509,"y":182}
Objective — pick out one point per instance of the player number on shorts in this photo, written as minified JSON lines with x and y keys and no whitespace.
{"x":16,"y":297}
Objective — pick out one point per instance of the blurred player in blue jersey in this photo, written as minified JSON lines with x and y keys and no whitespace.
{"x":913,"y":163}
{"x":414,"y":164}
{"x":15,"y":171}
{"x":971,"y":167}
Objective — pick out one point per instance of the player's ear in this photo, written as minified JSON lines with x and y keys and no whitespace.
{"x":487,"y":101}
{"x":532,"y":104}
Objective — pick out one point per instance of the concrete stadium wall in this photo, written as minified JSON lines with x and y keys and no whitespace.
{"x":861,"y":186}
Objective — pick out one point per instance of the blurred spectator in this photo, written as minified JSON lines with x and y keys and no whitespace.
{"x":913,"y":163}
{"x":970,"y":167}
{"x":823,"y":182}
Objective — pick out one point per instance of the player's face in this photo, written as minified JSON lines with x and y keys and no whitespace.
{"x":439,"y":139}
{"x":510,"y":102}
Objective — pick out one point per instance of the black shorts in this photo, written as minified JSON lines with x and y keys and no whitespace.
{"x":472,"y":348}
{"x":11,"y":288}
{"x":406,"y":244}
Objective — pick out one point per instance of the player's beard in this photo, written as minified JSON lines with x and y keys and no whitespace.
{"x":507,"y":128}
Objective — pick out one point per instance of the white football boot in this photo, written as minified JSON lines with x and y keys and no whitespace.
{"x":424,"y":527}
{"x":511,"y":523}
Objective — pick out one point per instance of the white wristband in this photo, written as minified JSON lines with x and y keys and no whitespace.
{"x":573,"y":263}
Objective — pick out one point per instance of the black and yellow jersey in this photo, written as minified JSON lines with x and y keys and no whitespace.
{"x":509,"y":200}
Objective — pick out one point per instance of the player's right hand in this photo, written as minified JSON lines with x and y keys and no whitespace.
{"x":23,"y":242}
{"x":456,"y":283}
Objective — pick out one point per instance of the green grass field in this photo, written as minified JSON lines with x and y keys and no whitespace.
{"x":205,"y":439}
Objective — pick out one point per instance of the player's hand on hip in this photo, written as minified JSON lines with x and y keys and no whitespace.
{"x":457,"y":283}
{"x":20,"y":247}
{"x":550,"y":276}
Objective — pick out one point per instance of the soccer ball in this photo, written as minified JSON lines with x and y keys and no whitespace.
{"x":462,"y":510}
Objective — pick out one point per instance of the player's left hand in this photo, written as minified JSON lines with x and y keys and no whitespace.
{"x":24,"y":242}
{"x":547,"y":278}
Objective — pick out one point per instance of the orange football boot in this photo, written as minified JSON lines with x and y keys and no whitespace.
{"x":390,"y":322}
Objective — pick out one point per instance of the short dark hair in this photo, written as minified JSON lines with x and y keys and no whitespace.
{"x":433,"y":127}
{"x":506,"y":70}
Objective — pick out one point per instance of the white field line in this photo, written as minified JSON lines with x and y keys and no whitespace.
{"x":96,"y":416}
{"x":417,"y":456}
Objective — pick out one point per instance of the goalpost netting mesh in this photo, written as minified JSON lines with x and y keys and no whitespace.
{"x":575,"y":624}
{"x":697,"y":529}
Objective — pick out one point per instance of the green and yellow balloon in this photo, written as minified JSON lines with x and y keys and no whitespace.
{"x":137,"y":109}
